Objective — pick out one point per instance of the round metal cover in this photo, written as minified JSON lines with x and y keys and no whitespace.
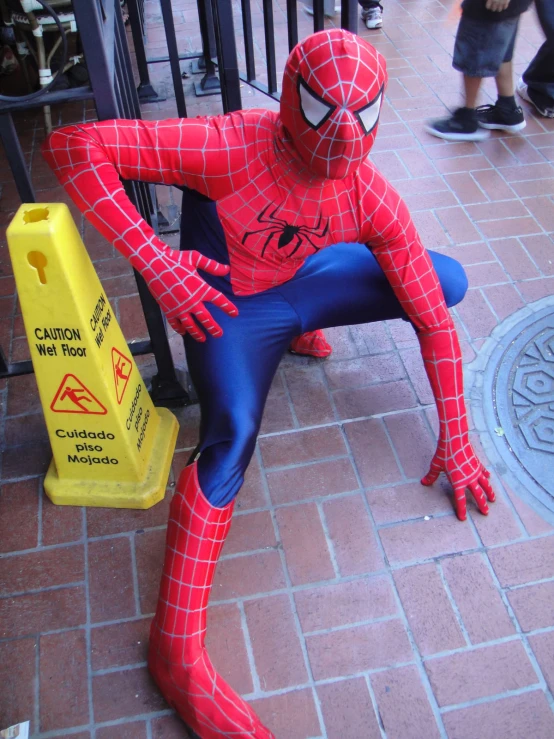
{"x":511,"y":387}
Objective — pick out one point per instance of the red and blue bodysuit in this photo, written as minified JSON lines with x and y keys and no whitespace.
{"x":293,"y":230}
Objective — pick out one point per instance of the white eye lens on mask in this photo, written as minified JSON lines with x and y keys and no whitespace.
{"x":314,"y":109}
{"x":369,"y":115}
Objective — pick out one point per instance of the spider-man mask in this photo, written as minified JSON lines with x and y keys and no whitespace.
{"x":332,"y":92}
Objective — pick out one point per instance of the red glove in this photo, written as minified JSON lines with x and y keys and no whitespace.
{"x":173,"y":280}
{"x":454,"y":456}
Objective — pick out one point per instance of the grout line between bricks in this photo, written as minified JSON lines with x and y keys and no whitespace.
{"x":134,"y":573}
{"x":499,"y":483}
{"x":474,"y":647}
{"x":530,"y":256}
{"x":309,"y":463}
{"x":101,"y":725}
{"x":46,"y":548}
{"x":344,"y":421}
{"x":490,"y":699}
{"x":40,"y":499}
{"x":41,"y":633}
{"x":289,"y":592}
{"x":249,"y":650}
{"x":353,"y":624}
{"x":542,"y":681}
{"x":48,"y":589}
{"x":265,"y":486}
{"x":290,"y":401}
{"x":375,"y":705}
{"x":453,"y":604}
{"x":55,"y":733}
{"x":36,"y":685}
{"x":88,"y":629}
{"x":519,"y":586}
{"x":400,"y":609}
{"x":3,"y":416}
{"x":328,"y":540}
{"x":18,"y":478}
{"x":118,"y":668}
{"x":394,"y":452}
{"x":126,"y":534}
{"x":149,"y":734}
{"x":523,"y":636}
{"x":433,"y":703}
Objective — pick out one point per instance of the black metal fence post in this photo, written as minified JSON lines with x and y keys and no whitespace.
{"x":292,"y":23}
{"x":269,"y":30}
{"x":115,"y":97}
{"x":209,"y":84}
{"x":146,"y":91}
{"x":227,"y":55}
{"x":349,"y":15}
{"x":16,"y":159}
{"x":171,"y":39}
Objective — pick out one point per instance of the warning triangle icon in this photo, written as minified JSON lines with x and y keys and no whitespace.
{"x":74,"y":397}
{"x":122,"y":367}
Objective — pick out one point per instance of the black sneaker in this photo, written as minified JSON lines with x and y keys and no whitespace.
{"x":541,"y":103}
{"x":499,"y":118}
{"x":462,"y":125}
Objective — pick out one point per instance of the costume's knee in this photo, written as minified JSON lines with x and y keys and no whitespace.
{"x":454,"y":282}
{"x":222,"y":463}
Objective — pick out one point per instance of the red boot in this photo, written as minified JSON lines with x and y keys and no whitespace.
{"x":311,"y":344}
{"x":177,"y":657}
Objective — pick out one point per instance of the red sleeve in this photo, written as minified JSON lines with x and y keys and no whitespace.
{"x":211,"y":155}
{"x":389,"y":232}
{"x":391,"y":235}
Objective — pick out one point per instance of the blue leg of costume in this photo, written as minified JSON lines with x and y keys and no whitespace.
{"x":339,"y":286}
{"x":232,"y":374}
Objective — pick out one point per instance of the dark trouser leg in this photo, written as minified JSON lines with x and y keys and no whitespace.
{"x":367,"y":4}
{"x":539,"y":75}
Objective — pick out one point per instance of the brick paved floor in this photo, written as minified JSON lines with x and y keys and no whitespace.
{"x":367,"y":609}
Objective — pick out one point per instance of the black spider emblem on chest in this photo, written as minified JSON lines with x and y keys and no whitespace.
{"x":287,"y":232}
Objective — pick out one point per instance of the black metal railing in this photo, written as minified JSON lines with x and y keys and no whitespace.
{"x":216,"y":22}
{"x":112,"y":88}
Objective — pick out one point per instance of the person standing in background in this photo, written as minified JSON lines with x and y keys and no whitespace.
{"x":537,"y":82}
{"x":484,"y":47}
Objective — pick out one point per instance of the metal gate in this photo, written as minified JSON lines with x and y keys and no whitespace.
{"x":112,"y":88}
{"x":217,"y":27}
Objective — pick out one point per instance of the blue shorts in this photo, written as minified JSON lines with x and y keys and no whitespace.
{"x":482,"y":46}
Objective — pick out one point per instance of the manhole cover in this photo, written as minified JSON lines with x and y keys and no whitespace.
{"x":511,"y":388}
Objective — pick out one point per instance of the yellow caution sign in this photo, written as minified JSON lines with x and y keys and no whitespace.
{"x":111,"y":446}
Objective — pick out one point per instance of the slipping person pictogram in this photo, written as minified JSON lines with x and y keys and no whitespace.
{"x":71,"y":397}
{"x":122,"y":367}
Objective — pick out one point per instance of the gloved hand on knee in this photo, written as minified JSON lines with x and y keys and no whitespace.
{"x":173,"y":280}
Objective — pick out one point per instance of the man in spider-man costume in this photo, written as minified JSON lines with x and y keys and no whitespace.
{"x":294,"y":230}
